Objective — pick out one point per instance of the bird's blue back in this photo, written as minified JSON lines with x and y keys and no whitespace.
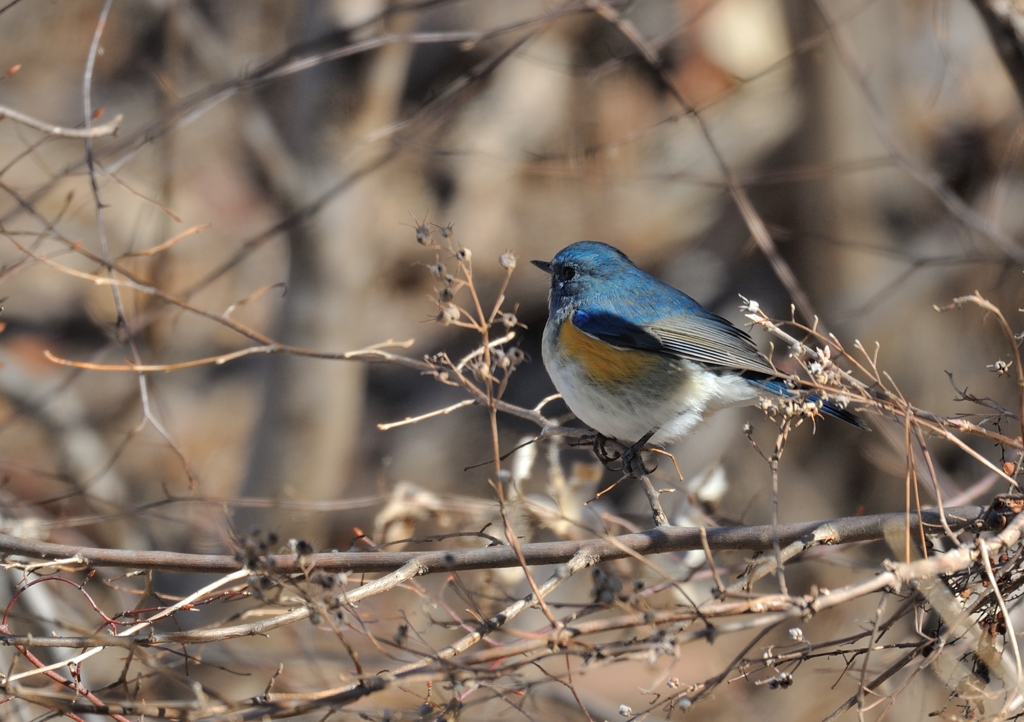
{"x":611,"y":299}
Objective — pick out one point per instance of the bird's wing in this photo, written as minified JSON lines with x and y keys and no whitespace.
{"x":698,"y":336}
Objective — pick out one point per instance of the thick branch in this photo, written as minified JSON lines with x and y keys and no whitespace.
{"x":656,"y":541}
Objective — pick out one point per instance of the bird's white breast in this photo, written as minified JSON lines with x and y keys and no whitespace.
{"x":673,"y":397}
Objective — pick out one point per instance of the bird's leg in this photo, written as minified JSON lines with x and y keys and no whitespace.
{"x":632,"y":461}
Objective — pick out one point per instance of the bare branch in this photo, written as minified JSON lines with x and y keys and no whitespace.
{"x":96,"y":131}
{"x":664,"y":539}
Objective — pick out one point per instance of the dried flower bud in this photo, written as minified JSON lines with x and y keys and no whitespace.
{"x":463,"y":255}
{"x":445,"y":295}
{"x":448,"y":315}
{"x":324,"y":579}
{"x":783,"y":681}
{"x":501,"y":360}
{"x":509,"y":320}
{"x":507,"y":260}
{"x":1000,"y":367}
{"x":422,"y":234}
{"x":437,"y":270}
{"x":447,"y":231}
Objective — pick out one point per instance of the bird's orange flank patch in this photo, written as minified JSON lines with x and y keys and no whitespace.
{"x":603,"y":362}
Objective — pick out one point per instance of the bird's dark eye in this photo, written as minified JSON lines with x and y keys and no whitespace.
{"x":567,"y":273}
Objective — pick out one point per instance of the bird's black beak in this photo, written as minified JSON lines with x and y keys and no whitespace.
{"x":542,"y":265}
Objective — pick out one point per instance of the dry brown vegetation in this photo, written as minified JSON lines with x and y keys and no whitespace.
{"x":275,"y":438}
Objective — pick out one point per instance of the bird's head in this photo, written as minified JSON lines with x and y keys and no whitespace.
{"x":581,"y":269}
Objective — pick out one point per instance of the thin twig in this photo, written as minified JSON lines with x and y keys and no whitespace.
{"x":657,"y":513}
{"x":95,"y":131}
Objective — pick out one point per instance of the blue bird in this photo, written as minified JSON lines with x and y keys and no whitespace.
{"x":638,"y":360}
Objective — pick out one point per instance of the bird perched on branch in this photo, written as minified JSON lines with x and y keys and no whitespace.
{"x":638,"y":360}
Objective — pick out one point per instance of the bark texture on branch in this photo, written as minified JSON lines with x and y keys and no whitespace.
{"x":844,"y":530}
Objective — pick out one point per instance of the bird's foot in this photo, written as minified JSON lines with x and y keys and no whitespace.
{"x":630,"y":459}
{"x":633,"y":461}
{"x":601,"y":451}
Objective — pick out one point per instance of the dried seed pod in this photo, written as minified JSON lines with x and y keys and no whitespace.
{"x":448,"y":315}
{"x":501,"y":360}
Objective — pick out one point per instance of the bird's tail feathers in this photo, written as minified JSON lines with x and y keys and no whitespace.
{"x":779,"y":387}
{"x":837,"y":412}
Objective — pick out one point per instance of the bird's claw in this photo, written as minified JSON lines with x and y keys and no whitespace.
{"x":601,"y":450}
{"x":631,"y":460}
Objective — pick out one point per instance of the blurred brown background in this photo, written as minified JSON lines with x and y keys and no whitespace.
{"x":311,"y":135}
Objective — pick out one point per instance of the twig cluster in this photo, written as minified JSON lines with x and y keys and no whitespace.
{"x":473,"y":618}
{"x":971,"y":586}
